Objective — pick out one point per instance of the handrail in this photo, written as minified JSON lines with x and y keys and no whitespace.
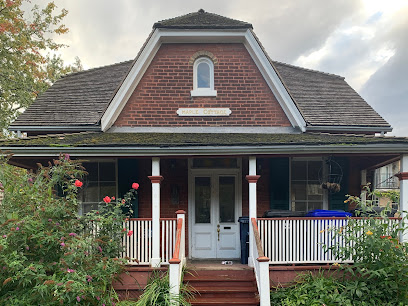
{"x":178,"y":260}
{"x":257,"y":239}
{"x":176,"y":254}
{"x":261,"y":267}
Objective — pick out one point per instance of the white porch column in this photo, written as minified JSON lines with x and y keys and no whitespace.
{"x":156,"y":179}
{"x":363,"y":195}
{"x":403,"y":205}
{"x":252,"y":179}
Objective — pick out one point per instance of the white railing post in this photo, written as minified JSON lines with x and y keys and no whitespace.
{"x":252,"y":179}
{"x":264,"y":281}
{"x":174,"y":282}
{"x":156,"y":179}
{"x":181,"y":214}
{"x":403,"y":205}
{"x":178,"y":260}
{"x":261,"y":267}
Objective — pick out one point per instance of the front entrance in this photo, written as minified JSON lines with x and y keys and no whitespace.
{"x":215,"y":208}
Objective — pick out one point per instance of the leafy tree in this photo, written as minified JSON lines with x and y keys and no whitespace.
{"x":26,"y":68}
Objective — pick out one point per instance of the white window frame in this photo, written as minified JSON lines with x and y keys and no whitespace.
{"x":203,"y":92}
{"x":325,"y":202}
{"x":99,"y":161}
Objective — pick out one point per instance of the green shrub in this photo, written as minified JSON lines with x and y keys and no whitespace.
{"x":378,"y":275}
{"x":157,"y":291}
{"x":48,"y":254}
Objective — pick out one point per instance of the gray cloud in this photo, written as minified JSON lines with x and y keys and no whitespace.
{"x":387,"y":89}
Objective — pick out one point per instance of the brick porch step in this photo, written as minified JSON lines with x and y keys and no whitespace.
{"x":223,"y":287}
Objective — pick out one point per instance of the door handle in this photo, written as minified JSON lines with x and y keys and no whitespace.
{"x":218,"y":230}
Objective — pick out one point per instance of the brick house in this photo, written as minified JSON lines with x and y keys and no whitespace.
{"x":209,"y":124}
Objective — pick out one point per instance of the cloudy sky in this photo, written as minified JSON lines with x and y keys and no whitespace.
{"x":365,"y":41}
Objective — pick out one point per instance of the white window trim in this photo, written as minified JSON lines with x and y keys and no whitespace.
{"x":203,"y":92}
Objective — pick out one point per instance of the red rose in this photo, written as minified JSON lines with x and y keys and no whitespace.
{"x":130,"y":233}
{"x":107,"y":199}
{"x":78,"y":183}
{"x":135,"y":186}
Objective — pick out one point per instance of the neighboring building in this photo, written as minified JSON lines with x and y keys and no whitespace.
{"x":203,"y":110}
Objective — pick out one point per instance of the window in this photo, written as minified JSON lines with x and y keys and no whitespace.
{"x":203,"y":74}
{"x":306,"y":192}
{"x":100,"y":182}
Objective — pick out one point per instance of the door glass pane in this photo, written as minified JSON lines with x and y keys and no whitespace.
{"x":202,"y":200}
{"x":227,"y":199}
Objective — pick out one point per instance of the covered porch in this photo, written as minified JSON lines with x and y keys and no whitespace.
{"x":194,"y":188}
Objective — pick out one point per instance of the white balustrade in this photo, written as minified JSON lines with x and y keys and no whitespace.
{"x":138,"y":246}
{"x":303,"y":240}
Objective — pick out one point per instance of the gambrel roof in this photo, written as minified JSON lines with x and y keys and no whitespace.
{"x":90,"y":100}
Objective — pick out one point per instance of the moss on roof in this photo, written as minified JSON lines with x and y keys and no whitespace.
{"x":99,"y":139}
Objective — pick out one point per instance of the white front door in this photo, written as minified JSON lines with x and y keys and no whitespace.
{"x":214,"y":219}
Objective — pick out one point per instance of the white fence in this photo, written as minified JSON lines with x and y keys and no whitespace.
{"x":138,"y":246}
{"x":302,"y":240}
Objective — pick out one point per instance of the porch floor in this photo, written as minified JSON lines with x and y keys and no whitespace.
{"x":215,"y":264}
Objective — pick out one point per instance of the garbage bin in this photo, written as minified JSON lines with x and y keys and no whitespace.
{"x":276,"y":213}
{"x":328,"y":213}
{"x":244,"y":236}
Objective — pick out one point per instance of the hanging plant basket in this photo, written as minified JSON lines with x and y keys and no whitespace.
{"x":331,"y":180}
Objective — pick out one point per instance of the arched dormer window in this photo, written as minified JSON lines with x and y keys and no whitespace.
{"x":203,"y":74}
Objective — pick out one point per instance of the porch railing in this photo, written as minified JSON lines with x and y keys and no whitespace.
{"x":302,"y":240}
{"x":179,"y":258}
{"x":138,"y":246}
{"x":261,"y":267}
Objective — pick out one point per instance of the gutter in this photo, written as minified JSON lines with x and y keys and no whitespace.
{"x":68,"y":128}
{"x":342,"y":128}
{"x":209,"y":150}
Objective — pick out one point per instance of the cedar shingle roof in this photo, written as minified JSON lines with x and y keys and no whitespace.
{"x":326,"y":99}
{"x":76,"y":99}
{"x":202,"y":20}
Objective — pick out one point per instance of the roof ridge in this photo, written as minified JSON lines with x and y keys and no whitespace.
{"x":96,"y":68}
{"x":161,"y":23}
{"x":310,"y":70}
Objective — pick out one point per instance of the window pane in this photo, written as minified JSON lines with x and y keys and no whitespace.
{"x":107,"y":189}
{"x":202,"y":200}
{"x":298,"y":191}
{"x":203,"y":75}
{"x":107,"y":172}
{"x":313,"y":171}
{"x":92,"y":169}
{"x":299,"y":170}
{"x":90,"y":193}
{"x":227,"y":199}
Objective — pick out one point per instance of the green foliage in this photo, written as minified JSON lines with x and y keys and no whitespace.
{"x":48,"y":254}
{"x":378,"y":276}
{"x":157,"y":291}
{"x":25,"y":71}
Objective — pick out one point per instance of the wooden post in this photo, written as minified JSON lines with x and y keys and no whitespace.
{"x":363,"y":194}
{"x":156,"y":179}
{"x":252,"y":179}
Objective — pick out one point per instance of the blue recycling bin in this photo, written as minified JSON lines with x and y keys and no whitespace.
{"x":244,"y":236}
{"x":328,"y":213}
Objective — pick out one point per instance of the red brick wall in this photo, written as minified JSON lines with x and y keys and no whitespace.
{"x":167,"y":83}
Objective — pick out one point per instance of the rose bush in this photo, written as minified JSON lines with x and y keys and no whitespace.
{"x":49,"y":255}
